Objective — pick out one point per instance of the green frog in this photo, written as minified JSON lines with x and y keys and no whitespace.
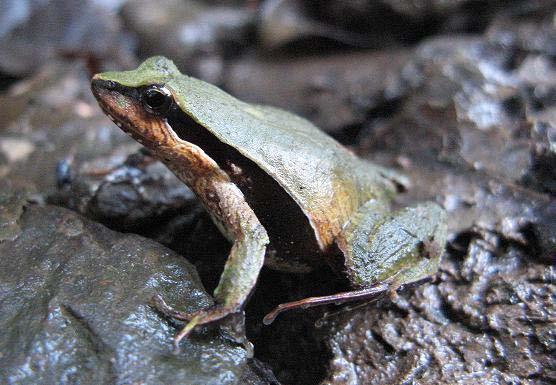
{"x":283,"y":192}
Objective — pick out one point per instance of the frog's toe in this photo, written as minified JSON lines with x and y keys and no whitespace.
{"x":199,"y":317}
{"x":184,"y":333}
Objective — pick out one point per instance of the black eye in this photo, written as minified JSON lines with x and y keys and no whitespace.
{"x":157,"y":100}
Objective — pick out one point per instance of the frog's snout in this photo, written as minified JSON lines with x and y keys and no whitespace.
{"x":98,"y":84}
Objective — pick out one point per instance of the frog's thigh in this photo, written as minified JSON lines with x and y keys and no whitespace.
{"x":405,"y":246}
{"x":384,"y":250}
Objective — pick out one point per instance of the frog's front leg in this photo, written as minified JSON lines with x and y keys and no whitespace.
{"x":231,"y":213}
{"x":383,"y":251}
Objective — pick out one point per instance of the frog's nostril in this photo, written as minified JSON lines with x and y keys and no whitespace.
{"x":103,"y":84}
{"x":110,"y":85}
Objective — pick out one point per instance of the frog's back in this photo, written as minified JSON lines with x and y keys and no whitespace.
{"x":328,"y":182}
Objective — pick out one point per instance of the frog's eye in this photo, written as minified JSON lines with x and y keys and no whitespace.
{"x":156,"y":100}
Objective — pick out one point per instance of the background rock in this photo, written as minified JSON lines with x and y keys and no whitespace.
{"x":335,"y":92}
{"x":34,"y":32}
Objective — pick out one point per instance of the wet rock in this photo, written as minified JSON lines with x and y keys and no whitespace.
{"x":56,"y":138}
{"x":11,"y":208}
{"x":530,"y":35}
{"x":34,"y":32}
{"x":526,"y":27}
{"x":543,"y":165}
{"x":334,"y":92}
{"x":468,"y":78}
{"x":475,"y":111}
{"x":75,"y":306}
{"x":257,"y":373}
{"x":489,"y":317}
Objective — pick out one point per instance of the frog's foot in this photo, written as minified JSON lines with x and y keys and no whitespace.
{"x":199,"y":317}
{"x":371,"y":294}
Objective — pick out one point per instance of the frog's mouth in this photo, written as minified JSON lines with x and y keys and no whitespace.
{"x":124,"y":107}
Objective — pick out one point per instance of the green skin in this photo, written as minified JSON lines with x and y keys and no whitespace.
{"x":341,"y":202}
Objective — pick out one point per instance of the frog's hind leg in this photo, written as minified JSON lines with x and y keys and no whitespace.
{"x":372,"y":293}
{"x":379,"y":245}
{"x":384,"y":251}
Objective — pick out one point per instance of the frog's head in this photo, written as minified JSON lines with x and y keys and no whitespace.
{"x":138,"y":101}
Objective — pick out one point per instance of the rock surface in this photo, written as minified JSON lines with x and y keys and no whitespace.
{"x":488,"y":318}
{"x":334,"y":92}
{"x":469,"y":136}
{"x":75,"y":306}
{"x":79,"y":28}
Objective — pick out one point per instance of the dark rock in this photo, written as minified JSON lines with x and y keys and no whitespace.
{"x":292,"y":26}
{"x":125,"y":194}
{"x":334,"y":92}
{"x":474,"y":111}
{"x":489,"y":317}
{"x":526,"y":27}
{"x":530,"y":36}
{"x":59,"y":141}
{"x":50,"y":117}
{"x":34,"y":32}
{"x":11,"y":208}
{"x":257,"y":373}
{"x":467,"y":80}
{"x":306,"y":27}
{"x":543,"y":164}
{"x":54,"y":137}
{"x":75,"y":307}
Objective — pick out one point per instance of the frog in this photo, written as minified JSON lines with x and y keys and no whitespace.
{"x":283,"y":192}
